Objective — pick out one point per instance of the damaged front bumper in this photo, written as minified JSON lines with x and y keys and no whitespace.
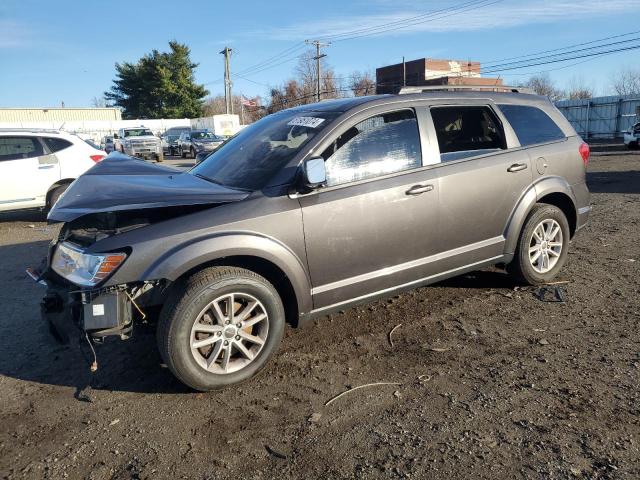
{"x":70,"y":311}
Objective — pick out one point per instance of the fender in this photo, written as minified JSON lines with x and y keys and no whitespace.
{"x":184,"y":257}
{"x":533,"y":194}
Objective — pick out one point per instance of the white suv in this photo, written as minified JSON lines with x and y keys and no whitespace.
{"x":36,"y":166}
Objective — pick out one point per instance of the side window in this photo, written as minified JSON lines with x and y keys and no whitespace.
{"x":376,"y":146}
{"x":16,"y":148}
{"x":56,"y":144}
{"x":467,"y":131}
{"x":531,"y":124}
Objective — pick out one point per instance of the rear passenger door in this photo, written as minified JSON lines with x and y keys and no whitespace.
{"x":482,"y":177}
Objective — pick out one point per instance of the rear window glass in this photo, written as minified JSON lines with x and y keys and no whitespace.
{"x":531,"y":124}
{"x":56,"y":144}
{"x":467,"y":131}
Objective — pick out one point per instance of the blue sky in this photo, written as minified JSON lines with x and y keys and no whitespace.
{"x":65,"y":51}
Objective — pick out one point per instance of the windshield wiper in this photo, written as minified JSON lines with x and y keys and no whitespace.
{"x":199,"y":175}
{"x":211,"y":180}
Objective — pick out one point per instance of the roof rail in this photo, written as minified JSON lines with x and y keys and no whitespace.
{"x":30,"y":130}
{"x":453,"y":88}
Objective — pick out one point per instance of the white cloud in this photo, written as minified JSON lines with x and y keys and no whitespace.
{"x":12,"y":34}
{"x":499,"y":15}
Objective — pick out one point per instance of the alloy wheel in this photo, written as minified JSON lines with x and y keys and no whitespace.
{"x":229,"y":333}
{"x":545,"y":245}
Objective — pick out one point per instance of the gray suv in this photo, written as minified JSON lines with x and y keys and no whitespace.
{"x":311,"y":210}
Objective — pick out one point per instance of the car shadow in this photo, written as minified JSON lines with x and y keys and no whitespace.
{"x":481,"y":279}
{"x":29,"y":352}
{"x":34,"y":215}
{"x":614,"y":182}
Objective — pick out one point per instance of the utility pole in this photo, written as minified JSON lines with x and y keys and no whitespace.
{"x":404,"y":73}
{"x":317,"y":58}
{"x":228,"y":100}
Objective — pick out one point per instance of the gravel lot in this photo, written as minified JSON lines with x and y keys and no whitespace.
{"x":492,"y":382}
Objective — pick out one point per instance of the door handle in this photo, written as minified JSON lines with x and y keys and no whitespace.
{"x":418,"y":189}
{"x":45,"y":167}
{"x":516,"y":167}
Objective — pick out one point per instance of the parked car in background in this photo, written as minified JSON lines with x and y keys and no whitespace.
{"x":311,"y":210}
{"x":632,"y":136}
{"x":107,"y":144}
{"x":197,"y":141}
{"x":36,"y":166}
{"x":138,"y":142}
{"x":170,"y":143}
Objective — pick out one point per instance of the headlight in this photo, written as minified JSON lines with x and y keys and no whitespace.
{"x":84,"y":268}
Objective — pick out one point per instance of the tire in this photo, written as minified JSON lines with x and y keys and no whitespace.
{"x":55,"y":195}
{"x":186,"y":307}
{"x":192,"y":152}
{"x":183,"y":154}
{"x":522,"y":267}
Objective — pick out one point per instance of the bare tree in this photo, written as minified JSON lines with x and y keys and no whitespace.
{"x":543,"y":85}
{"x":362,"y":84}
{"x":99,"y":102}
{"x":578,"y":90}
{"x":627,"y":82}
{"x":217,"y":106}
{"x":306,"y":75}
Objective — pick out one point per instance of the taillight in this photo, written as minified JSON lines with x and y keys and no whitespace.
{"x":584,"y":153}
{"x":96,"y":158}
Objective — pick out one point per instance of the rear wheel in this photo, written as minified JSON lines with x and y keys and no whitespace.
{"x":542,"y":247}
{"x":55,"y":194}
{"x":220,"y":327}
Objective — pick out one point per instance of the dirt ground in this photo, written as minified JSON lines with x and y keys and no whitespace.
{"x":491,"y":381}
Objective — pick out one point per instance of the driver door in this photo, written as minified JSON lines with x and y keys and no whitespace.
{"x":371,"y":229}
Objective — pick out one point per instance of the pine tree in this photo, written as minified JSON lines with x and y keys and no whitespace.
{"x":159,"y":85}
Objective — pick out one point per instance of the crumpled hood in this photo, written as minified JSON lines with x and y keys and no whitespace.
{"x":120,"y":182}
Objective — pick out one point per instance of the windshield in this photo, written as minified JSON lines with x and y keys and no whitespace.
{"x":203,"y":135}
{"x":138,"y":132}
{"x":249,"y":159}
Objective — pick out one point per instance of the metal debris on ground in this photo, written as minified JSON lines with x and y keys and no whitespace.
{"x":275,"y":453}
{"x":551,"y":295}
{"x":333,"y":399}
{"x":391,"y":332}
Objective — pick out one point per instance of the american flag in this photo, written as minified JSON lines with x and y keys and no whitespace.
{"x":249,"y":103}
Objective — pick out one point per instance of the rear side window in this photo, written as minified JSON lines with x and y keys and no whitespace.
{"x":56,"y":144}
{"x":531,"y":124}
{"x":465,"y":132}
{"x":377,"y":146}
{"x":16,"y":148}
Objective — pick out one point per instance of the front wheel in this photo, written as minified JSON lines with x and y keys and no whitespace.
{"x":220,"y":327}
{"x":542,"y":247}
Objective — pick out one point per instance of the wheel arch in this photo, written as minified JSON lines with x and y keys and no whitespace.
{"x":551,"y":190}
{"x":262,"y":255}
{"x":58,"y":183}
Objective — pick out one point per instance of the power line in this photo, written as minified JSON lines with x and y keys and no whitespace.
{"x":374,"y":30}
{"x":562,"y":54}
{"x":562,"y":48}
{"x":409,"y":21}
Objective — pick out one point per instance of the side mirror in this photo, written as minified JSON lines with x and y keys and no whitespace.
{"x":115,"y":135}
{"x":314,"y":174}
